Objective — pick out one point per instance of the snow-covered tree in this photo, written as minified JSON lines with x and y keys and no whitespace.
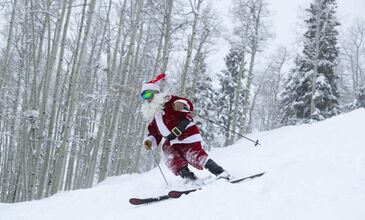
{"x":225,"y":99}
{"x":360,"y":98}
{"x":251,"y":32}
{"x":353,"y":54}
{"x":203,"y":100}
{"x":312,"y":92}
{"x":266,"y":115}
{"x":291,"y":110}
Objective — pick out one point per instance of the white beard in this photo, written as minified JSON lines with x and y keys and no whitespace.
{"x":149,"y":109}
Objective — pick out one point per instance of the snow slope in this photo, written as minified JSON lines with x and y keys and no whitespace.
{"x":313,"y":172}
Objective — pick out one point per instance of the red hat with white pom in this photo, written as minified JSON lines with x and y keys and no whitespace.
{"x":151,"y":85}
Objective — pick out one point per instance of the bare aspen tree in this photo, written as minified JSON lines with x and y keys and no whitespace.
{"x":111,"y":76}
{"x":278,"y":62}
{"x":45,"y":179}
{"x":89,"y":120}
{"x":162,"y":29}
{"x":166,"y":38}
{"x":266,"y":115}
{"x":8,"y":142}
{"x":46,"y":82}
{"x":128,"y":114}
{"x":5,"y":58}
{"x":267,"y":112}
{"x":118,"y":38}
{"x":207,"y":30}
{"x":105,"y":158}
{"x":167,"y":35}
{"x":256,"y":13}
{"x":18,"y":182}
{"x":196,"y":10}
{"x":354,"y":51}
{"x":73,"y":96}
{"x":48,"y":76}
{"x":60,"y":152}
{"x":31,"y":66}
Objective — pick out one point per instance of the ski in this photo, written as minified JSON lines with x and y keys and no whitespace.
{"x":247,"y":178}
{"x":139,"y":201}
{"x":177,"y":194}
{"x":174,"y":194}
{"x":143,"y":201}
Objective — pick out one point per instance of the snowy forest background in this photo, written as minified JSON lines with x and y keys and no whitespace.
{"x":71,"y":73}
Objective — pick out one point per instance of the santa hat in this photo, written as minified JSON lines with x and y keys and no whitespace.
{"x":151,"y":85}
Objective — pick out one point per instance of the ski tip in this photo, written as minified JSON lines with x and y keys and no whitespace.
{"x":258,"y":175}
{"x":175,"y":194}
{"x":134,"y":201}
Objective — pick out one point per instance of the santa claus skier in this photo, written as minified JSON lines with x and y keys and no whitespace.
{"x":172,"y":122}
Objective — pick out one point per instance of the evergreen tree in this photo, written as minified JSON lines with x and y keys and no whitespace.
{"x":290,"y":107}
{"x":202,"y":95}
{"x":360,"y":98}
{"x":311,"y":92}
{"x":226,"y":94}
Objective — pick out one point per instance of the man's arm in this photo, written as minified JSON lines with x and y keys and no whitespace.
{"x":183,"y":105}
{"x":153,"y":138}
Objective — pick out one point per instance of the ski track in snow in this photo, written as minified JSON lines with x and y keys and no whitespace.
{"x":312,"y":172}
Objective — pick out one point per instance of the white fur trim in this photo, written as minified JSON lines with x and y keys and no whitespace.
{"x":153,"y":139}
{"x":150,"y":86}
{"x":190,"y":124}
{"x":185,"y":103}
{"x":191,"y":139}
{"x":161,"y":125}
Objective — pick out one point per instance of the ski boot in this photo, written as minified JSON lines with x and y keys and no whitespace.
{"x":217,"y":170}
{"x":185,"y":173}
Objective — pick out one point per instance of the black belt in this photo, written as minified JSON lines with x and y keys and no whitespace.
{"x":178,"y":130}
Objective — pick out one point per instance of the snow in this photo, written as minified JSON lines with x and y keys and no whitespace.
{"x":313,"y":171}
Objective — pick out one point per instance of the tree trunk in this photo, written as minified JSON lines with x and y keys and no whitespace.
{"x":105,"y":158}
{"x":6,"y":56}
{"x":237,"y":96}
{"x":167,"y":38}
{"x":315,"y":64}
{"x":73,"y":98}
{"x":46,"y":180}
{"x":190,"y":48}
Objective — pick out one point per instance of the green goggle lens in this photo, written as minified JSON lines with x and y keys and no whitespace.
{"x":148,"y":94}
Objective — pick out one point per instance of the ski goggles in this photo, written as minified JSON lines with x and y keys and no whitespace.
{"x":147,"y":94}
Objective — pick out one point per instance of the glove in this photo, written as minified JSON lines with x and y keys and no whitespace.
{"x":180,"y":107}
{"x":147,"y":144}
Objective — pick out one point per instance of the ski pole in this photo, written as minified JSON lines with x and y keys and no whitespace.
{"x":154,"y":157}
{"x":255,"y":142}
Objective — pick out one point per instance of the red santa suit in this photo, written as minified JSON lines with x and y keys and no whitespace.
{"x":184,"y":149}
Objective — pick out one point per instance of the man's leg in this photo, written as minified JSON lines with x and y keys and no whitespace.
{"x":217,"y":170}
{"x":194,"y":154}
{"x":198,"y":158}
{"x":176,"y":163}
